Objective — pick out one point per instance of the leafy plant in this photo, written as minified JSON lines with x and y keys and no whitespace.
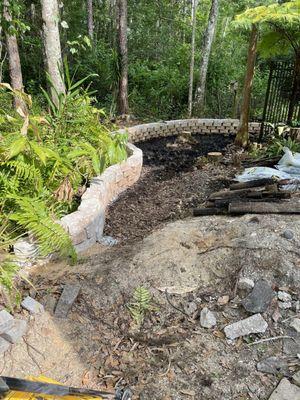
{"x":277,"y":145}
{"x":140,"y":305}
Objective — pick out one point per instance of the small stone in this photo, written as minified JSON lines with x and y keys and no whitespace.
{"x":67,"y":298}
{"x":223,"y":300}
{"x":31,"y":305}
{"x":207,"y":318}
{"x":291,"y":346}
{"x":296,"y":378}
{"x":50,"y":303}
{"x":190,"y":308}
{"x":273,"y":365}
{"x":260,"y":298}
{"x":245,"y":284}
{"x":15,"y":333}
{"x":4,"y":345}
{"x":108,"y":241}
{"x":284,"y":296}
{"x":288,"y":234}
{"x":285,"y":305}
{"x":295,"y":324}
{"x":253,"y":324}
{"x":6,"y":321}
{"x":286,"y":391}
{"x":296,"y":306}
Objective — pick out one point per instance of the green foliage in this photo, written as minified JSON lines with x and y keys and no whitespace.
{"x":275,"y":148}
{"x":44,"y":160}
{"x":140,"y":305}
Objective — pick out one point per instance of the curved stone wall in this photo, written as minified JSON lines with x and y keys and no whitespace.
{"x":85,"y":226}
{"x":144,"y":132}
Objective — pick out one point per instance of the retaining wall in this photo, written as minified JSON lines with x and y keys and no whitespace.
{"x":85,"y":226}
{"x":144,"y":132}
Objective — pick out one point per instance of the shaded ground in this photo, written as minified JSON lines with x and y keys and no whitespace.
{"x":170,"y":186}
{"x":171,"y":356}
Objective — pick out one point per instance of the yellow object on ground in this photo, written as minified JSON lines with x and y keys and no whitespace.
{"x":13,"y":395}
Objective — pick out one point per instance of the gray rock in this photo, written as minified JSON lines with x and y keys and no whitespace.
{"x":286,"y":391}
{"x":245,"y":284}
{"x":31,"y":305}
{"x":49,"y":303}
{"x":15,"y":333}
{"x":288,"y":234}
{"x":207,"y":318}
{"x":108,"y":241}
{"x":260,"y":298}
{"x":67,"y":298}
{"x":4,"y":345}
{"x":273,"y":365}
{"x":253,"y":324}
{"x":291,"y":346}
{"x":285,"y":305}
{"x":284,"y":296}
{"x":190,"y":308}
{"x":295,"y":323}
{"x":296,"y":378}
{"x":6,"y":321}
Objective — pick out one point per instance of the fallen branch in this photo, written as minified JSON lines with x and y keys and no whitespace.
{"x":271,"y":339}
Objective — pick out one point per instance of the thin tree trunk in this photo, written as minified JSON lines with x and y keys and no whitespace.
{"x":206,"y":50}
{"x":50,"y":15}
{"x":90,"y":14}
{"x":192,"y":64}
{"x":242,"y":137}
{"x":15,"y":70}
{"x":123,"y":107}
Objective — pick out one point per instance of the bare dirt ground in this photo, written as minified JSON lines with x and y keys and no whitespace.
{"x":198,"y":260}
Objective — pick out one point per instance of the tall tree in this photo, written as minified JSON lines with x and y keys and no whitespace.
{"x":206,"y":50}
{"x":192,"y":63}
{"x":90,"y":15}
{"x":50,"y":15}
{"x":279,"y":35}
{"x":123,"y":106}
{"x":242,"y":136}
{"x":15,"y":70}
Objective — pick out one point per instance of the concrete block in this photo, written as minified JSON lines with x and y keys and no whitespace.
{"x":31,"y":305}
{"x":16,"y":332}
{"x":4,"y":345}
{"x":6,"y":321}
{"x":66,"y":301}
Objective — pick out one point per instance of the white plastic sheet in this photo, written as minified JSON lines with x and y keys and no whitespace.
{"x":288,"y":167}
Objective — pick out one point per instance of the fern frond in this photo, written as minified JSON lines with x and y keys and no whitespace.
{"x":141,"y":304}
{"x":27,"y":172}
{"x":34,"y":217}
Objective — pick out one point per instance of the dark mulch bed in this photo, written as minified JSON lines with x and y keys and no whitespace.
{"x":170,"y":186}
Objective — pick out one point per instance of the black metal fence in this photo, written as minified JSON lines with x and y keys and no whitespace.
{"x":282,"y":104}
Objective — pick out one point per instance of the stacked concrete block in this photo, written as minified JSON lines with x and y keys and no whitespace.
{"x":85,"y":226}
{"x":204,"y":126}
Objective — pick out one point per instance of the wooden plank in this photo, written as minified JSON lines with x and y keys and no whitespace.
{"x":198,"y":212}
{"x":252,"y":184}
{"x":264,"y":208}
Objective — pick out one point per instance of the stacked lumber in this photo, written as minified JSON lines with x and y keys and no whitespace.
{"x":262,"y":196}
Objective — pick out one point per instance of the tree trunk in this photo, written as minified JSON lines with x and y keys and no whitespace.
{"x":242,"y":137}
{"x":50,"y":15}
{"x":206,"y":50}
{"x":15,"y":70}
{"x":192,"y":64}
{"x":90,"y":14}
{"x":123,"y":57}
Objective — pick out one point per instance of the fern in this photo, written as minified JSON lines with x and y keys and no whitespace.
{"x":140,"y":305}
{"x":33,"y":216}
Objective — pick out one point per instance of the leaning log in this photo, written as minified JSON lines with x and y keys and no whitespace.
{"x":263,"y":208}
